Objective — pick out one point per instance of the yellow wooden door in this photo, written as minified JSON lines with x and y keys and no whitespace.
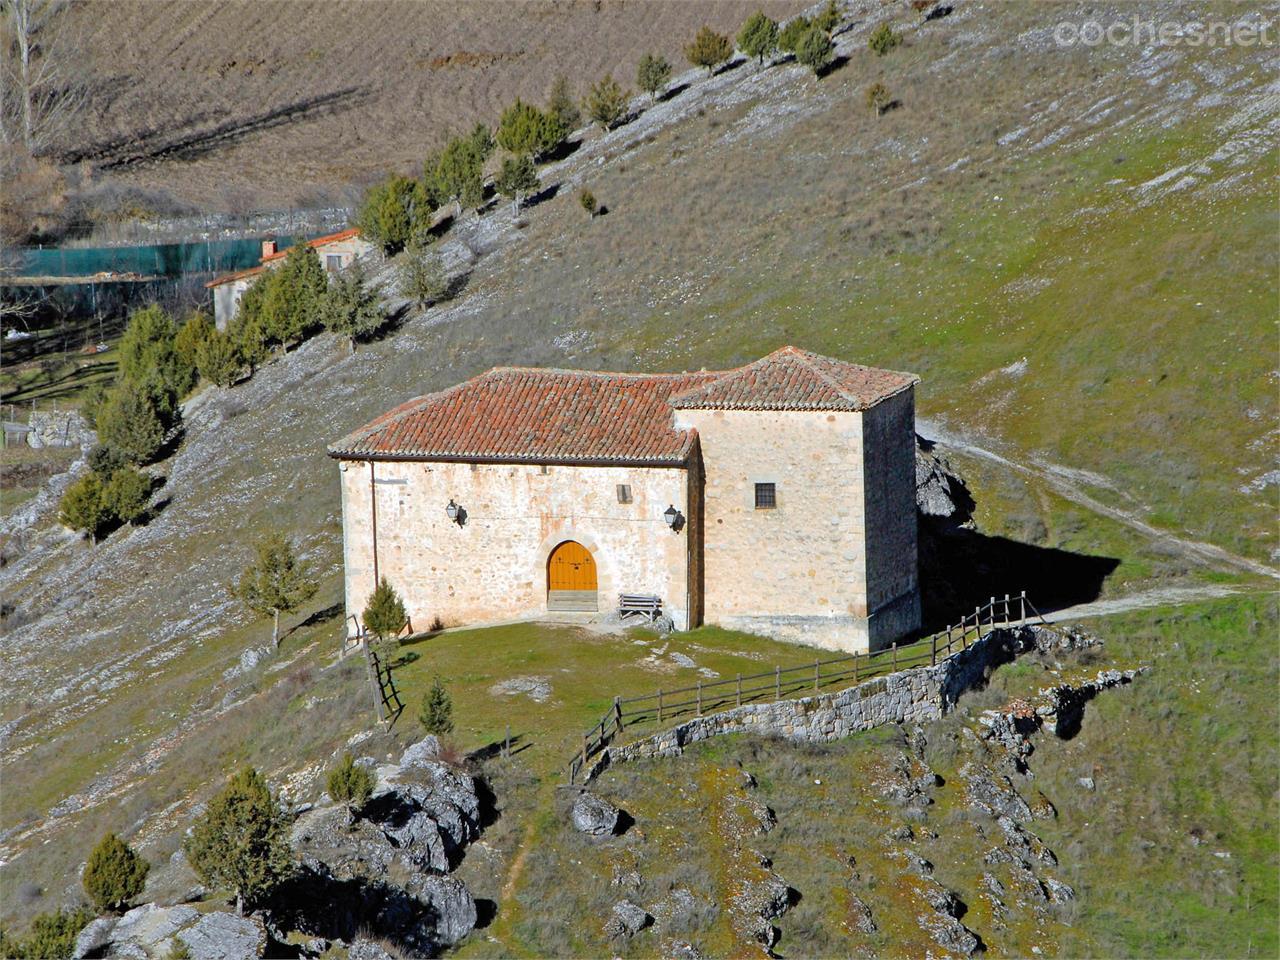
{"x":571,"y":567}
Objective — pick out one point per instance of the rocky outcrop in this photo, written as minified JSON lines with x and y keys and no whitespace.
{"x":939,"y":492}
{"x":626,"y":920}
{"x":594,"y":816}
{"x":151,"y":931}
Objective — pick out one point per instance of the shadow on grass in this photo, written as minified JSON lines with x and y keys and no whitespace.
{"x":832,"y":67}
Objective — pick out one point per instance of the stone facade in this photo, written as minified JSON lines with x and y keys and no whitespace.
{"x":493,"y":566}
{"x":535,"y":458}
{"x":833,"y":564}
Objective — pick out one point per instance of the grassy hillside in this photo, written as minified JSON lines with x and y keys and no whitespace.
{"x":1019,"y":204}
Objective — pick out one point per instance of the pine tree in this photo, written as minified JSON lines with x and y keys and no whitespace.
{"x":793,"y":32}
{"x":436,"y":713}
{"x":130,"y":421}
{"x":351,"y":307}
{"x":350,"y":784}
{"x":815,"y":50}
{"x":456,"y":174}
{"x":607,"y":102}
{"x":218,"y":359}
{"x":125,"y":495}
{"x":384,"y":616}
{"x":759,"y":36}
{"x":81,"y":507}
{"x":114,"y":875}
{"x":516,"y":178}
{"x":148,"y":356}
{"x":878,"y":98}
{"x":292,"y":300}
{"x":275,"y":582}
{"x":652,"y":74}
{"x":421,"y":275}
{"x":561,"y":106}
{"x":709,"y":49}
{"x":587,"y":200}
{"x":242,"y":842}
{"x":248,"y":332}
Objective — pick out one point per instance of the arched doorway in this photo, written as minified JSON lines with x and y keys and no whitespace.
{"x":571,"y":578}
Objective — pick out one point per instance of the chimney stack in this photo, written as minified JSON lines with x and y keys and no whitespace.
{"x":268,"y":248}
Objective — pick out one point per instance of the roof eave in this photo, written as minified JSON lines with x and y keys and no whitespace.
{"x":360,"y":456}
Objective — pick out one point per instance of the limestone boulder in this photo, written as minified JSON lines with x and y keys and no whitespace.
{"x":594,"y":816}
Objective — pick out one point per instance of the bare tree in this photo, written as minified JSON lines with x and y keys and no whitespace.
{"x":41,"y":90}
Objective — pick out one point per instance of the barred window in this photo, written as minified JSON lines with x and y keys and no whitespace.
{"x":766,"y":496}
{"x":624,"y":493}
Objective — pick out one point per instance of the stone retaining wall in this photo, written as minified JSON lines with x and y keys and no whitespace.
{"x":60,"y":428}
{"x":915,"y":695}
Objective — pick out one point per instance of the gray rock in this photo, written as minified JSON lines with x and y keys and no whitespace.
{"x":1059,"y":892}
{"x":626,"y":920}
{"x":224,"y":936}
{"x":451,"y":910}
{"x":362,"y":949}
{"x":149,"y":924}
{"x":860,"y":915}
{"x":426,"y":750}
{"x":1086,"y":782}
{"x":594,"y":816}
{"x":680,"y":950}
{"x":934,"y":496}
{"x":94,"y":937}
{"x":950,"y":934}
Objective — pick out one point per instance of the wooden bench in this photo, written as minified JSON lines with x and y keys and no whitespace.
{"x":639,"y":605}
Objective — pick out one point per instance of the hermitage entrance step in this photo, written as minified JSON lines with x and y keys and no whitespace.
{"x":571,"y":578}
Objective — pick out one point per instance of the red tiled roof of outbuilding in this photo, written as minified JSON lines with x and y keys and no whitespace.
{"x":538,"y":415}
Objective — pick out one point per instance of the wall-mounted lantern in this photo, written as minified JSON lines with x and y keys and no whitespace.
{"x":455,"y":512}
{"x":673,"y":517}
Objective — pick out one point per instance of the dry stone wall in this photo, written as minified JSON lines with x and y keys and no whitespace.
{"x":908,"y":696}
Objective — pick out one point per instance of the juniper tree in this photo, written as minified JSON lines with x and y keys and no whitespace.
{"x":759,"y":36}
{"x":393,"y":211}
{"x":241,"y":844}
{"x":247,"y":330}
{"x":587,"y":200}
{"x":456,"y":174}
{"x":607,"y":102}
{"x":516,"y":178}
{"x":293,"y":297}
{"x":421,"y":275}
{"x":218,"y":359}
{"x":652,"y":74}
{"x":350,"y":307}
{"x":130,"y":421}
{"x":114,"y":875}
{"x":709,"y":49}
{"x":878,"y":98}
{"x":125,"y":494}
{"x":561,"y":106}
{"x":189,"y":338}
{"x":350,"y":784}
{"x":883,"y":39}
{"x":829,"y":18}
{"x":148,"y":356}
{"x":275,"y":582}
{"x":436,"y":713}
{"x":384,"y":615}
{"x":526,"y":131}
{"x":82,"y":508}
{"x":815,"y":50}
{"x":104,"y":460}
{"x":793,"y":32}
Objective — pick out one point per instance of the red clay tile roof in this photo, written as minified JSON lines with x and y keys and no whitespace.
{"x":537,"y":416}
{"x":572,"y":416}
{"x":228,"y":277}
{"x":317,"y":242}
{"x":794,"y":379}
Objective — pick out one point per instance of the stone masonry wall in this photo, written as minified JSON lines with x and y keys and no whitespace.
{"x":493,"y":567}
{"x":893,"y":590}
{"x":916,"y":695}
{"x":795,"y":572}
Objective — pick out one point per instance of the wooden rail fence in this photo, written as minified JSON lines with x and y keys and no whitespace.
{"x":808,"y":678}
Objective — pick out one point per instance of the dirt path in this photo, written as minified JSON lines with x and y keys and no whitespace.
{"x":1160,"y":597}
{"x":1068,"y":483}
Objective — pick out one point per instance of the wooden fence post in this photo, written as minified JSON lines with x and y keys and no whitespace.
{"x":617,"y":712}
{"x":777,"y":683}
{"x":506,"y":744}
{"x":855,"y":668}
{"x":659,"y":704}
{"x":1023,"y":598}
{"x":584,"y":751}
{"x":699,"y":698}
{"x":895,"y":656}
{"x":739,"y":689}
{"x":1006,"y":608}
{"x":933,"y":650}
{"x":815,"y":676}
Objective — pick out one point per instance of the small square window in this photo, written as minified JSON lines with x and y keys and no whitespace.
{"x":624,"y":493}
{"x":766,"y":496}
{"x":543,"y":469}
{"x":333,"y":263}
